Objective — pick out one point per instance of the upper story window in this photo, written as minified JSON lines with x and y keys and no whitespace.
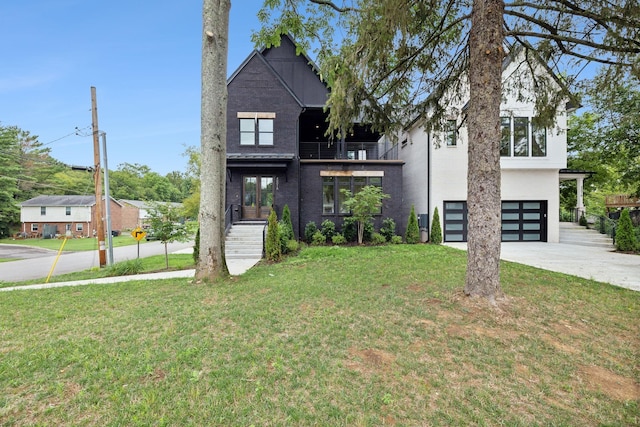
{"x":43,"y":210}
{"x":67,"y":210}
{"x":521,"y":137}
{"x":256,"y":128}
{"x":451,"y":132}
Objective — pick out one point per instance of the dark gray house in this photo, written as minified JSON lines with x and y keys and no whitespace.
{"x":278,"y":154}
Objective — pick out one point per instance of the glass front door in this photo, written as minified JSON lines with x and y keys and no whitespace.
{"x":257,"y":196}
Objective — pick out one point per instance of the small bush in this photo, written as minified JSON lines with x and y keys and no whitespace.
{"x":396,"y":240}
{"x":378,"y":239}
{"x":328,"y":228}
{"x":309,"y":230}
{"x":412,"y":234}
{"x":338,"y":239}
{"x":582,"y":221}
{"x":435,"y":236}
{"x":285,"y":229}
{"x":625,"y":234}
{"x":350,"y":229}
{"x":388,"y":229}
{"x":125,"y":268}
{"x":292,"y":246}
{"x":318,"y":239}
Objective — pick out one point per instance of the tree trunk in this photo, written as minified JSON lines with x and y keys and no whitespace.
{"x":483,"y":178}
{"x":215,"y":31}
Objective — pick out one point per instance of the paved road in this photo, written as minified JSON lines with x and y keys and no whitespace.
{"x":39,"y":262}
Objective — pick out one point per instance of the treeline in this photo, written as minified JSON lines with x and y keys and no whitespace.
{"x":27,"y":170}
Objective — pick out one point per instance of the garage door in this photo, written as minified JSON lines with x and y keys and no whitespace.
{"x":522,"y":221}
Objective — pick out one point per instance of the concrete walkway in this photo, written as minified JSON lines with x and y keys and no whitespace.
{"x":236,"y":267}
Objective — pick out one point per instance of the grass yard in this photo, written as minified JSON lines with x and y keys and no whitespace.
{"x":72,"y":245}
{"x":337,"y":336}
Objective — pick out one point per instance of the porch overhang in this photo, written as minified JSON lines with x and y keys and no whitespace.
{"x":259,"y":161}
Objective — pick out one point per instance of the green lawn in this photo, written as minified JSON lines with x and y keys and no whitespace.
{"x":72,"y":245}
{"x":337,"y":336}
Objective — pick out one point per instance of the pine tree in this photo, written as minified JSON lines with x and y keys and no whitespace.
{"x":625,"y":236}
{"x":273,"y":248}
{"x":413,"y":231}
{"x":436,"y":231}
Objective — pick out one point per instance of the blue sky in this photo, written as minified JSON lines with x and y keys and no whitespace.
{"x":144,"y":59}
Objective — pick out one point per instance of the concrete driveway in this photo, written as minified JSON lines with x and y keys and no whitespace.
{"x":588,"y":262}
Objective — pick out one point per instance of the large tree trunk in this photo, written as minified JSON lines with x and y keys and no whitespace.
{"x":483,"y":178}
{"x":215,"y":30}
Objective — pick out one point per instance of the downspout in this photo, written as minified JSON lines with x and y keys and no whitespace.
{"x":297,"y":163}
{"x":429,"y":185}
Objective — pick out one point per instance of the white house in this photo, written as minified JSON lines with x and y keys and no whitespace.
{"x":49,"y":216}
{"x":435,"y":171}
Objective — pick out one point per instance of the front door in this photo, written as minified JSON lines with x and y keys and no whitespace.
{"x":257,"y":196}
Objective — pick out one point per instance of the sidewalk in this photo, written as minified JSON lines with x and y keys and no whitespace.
{"x":236,"y":267}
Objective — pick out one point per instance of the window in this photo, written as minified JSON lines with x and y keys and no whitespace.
{"x":521,"y":137}
{"x":34,"y":227}
{"x":332,"y":187}
{"x":538,"y":140}
{"x":43,"y":210}
{"x":67,"y":210}
{"x":505,"y":142}
{"x":451,"y":133}
{"x":256,"y":130}
{"x":79,"y":227}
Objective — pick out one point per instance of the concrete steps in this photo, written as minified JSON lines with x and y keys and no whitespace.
{"x":574,"y":234}
{"x":244,"y":240}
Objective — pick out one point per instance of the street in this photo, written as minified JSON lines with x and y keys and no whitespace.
{"x":38,"y":262}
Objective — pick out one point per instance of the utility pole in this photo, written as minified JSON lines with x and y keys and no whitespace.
{"x":98,"y":219}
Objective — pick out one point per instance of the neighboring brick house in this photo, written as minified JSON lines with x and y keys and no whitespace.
{"x":278,"y":153}
{"x":51,"y":216}
{"x":135,"y":213}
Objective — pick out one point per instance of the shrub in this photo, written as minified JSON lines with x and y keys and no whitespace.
{"x":196,"y":247}
{"x":287,"y":225}
{"x":338,"y":239}
{"x":273,"y":247}
{"x":328,"y":228}
{"x":396,"y":240}
{"x":309,"y":230}
{"x":378,"y":239}
{"x":318,"y":239}
{"x":125,"y":268}
{"x":582,"y":221}
{"x":412,"y":234}
{"x":625,"y":234}
{"x":292,"y":246}
{"x":388,"y":229}
{"x":436,"y":232}
{"x":350,"y":229}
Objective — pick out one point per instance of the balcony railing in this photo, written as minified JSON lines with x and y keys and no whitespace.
{"x":352,"y":151}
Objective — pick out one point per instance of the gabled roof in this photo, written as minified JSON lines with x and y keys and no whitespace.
{"x":304,"y":90}
{"x":68,"y":200}
{"x":256,"y":54}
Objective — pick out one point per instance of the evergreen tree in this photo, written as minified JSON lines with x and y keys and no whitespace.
{"x":412,"y":234}
{"x":436,"y":231}
{"x":9,"y":170}
{"x":625,"y":235}
{"x":273,"y":248}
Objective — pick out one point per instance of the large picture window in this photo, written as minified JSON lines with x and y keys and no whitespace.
{"x":333,"y":198}
{"x":521,"y":137}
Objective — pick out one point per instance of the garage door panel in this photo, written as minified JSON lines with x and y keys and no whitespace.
{"x":521,"y":221}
